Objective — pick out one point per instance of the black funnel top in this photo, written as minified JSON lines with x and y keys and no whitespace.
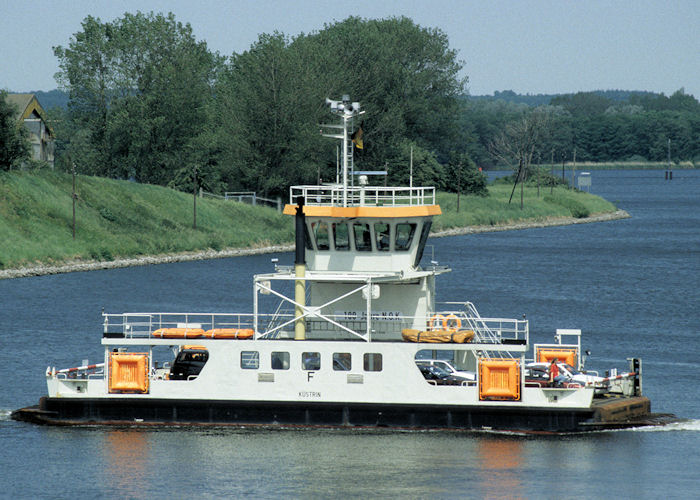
{"x":300,"y":228}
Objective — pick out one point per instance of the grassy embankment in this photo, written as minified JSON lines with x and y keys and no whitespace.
{"x":125,"y":219}
{"x":495,"y":209}
{"x":119,"y":219}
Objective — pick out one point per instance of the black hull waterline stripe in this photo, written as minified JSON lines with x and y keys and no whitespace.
{"x":131,"y":411}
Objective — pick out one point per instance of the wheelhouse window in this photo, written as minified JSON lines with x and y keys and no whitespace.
{"x":320,"y":233}
{"x":250,"y":360}
{"x":425,"y":232}
{"x":307,"y":238}
{"x":342,"y":361}
{"x":404,"y":235}
{"x":341,"y":236}
{"x":310,"y":361}
{"x":382,"y":232}
{"x":363,"y":237}
{"x":279,"y":360}
{"x":372,"y":362}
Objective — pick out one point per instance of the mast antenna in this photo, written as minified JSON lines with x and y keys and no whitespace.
{"x":347,"y":110}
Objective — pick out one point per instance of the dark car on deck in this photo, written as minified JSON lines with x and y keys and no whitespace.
{"x":439,"y":376}
{"x":188,"y":364}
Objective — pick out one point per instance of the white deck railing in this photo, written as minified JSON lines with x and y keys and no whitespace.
{"x":270,"y":326}
{"x":140,"y":325}
{"x":370,"y":196}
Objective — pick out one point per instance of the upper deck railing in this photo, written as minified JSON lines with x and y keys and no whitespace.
{"x":280,"y":324}
{"x":363,"y":196}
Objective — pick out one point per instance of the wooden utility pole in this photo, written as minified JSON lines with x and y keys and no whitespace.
{"x":521,"y":172}
{"x":194,"y":192}
{"x":74,"y":196}
{"x":563,"y":177}
{"x":539,"y":171}
{"x":518,"y":177}
{"x":551,"y":171}
{"x":459,"y":177}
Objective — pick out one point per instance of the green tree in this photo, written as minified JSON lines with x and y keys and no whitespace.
{"x":427,"y":171}
{"x":464,"y":176}
{"x":583,"y":104}
{"x":139,"y":88}
{"x":481,"y":121}
{"x":85,"y":74}
{"x":14,"y":146}
{"x":405,"y":76}
{"x":516,"y":144}
{"x":267,"y":138}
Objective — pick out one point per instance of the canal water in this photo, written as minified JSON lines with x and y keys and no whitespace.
{"x":631,"y":286}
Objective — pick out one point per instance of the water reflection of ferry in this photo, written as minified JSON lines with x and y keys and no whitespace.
{"x":339,"y":339}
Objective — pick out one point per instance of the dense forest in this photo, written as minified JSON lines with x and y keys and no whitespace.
{"x":141,"y":98}
{"x":601,"y":126}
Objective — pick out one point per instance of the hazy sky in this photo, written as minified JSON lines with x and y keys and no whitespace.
{"x":527,"y":46}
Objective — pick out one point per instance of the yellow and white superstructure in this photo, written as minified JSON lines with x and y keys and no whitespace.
{"x":368,"y":253}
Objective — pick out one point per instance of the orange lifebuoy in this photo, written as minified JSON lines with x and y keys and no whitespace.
{"x":451,"y":322}
{"x":439,"y":319}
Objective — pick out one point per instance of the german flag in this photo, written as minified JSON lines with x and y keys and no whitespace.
{"x":357,"y":137}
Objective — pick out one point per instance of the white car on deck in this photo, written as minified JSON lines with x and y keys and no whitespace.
{"x":587,"y":379}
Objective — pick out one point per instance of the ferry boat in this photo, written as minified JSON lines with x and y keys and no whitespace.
{"x":350,"y":336}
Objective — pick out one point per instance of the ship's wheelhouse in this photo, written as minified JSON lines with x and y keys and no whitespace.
{"x":371,"y":237}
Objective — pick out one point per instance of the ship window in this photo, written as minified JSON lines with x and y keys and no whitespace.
{"x":279,"y":360}
{"x":310,"y":361}
{"x":373,"y":362}
{"x":404,"y":235}
{"x":320,"y":230}
{"x":342,"y":361}
{"x":441,"y":354}
{"x":382,"y":232}
{"x":250,"y":360}
{"x":341,"y":236}
{"x":423,"y":239}
{"x":363,"y":238}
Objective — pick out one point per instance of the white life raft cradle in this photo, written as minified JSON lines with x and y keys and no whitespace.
{"x":334,"y":339}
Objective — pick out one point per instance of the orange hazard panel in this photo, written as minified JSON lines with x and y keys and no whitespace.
{"x":499,"y":379}
{"x":230,"y":333}
{"x":178,"y":333}
{"x":547,"y":354}
{"x":128,"y":372}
